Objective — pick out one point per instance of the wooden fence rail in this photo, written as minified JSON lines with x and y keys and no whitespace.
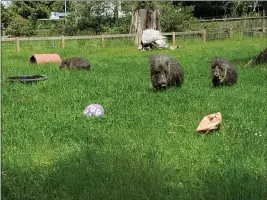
{"x":239,"y":23}
{"x":232,"y":19}
{"x":204,"y":34}
{"x":70,"y":37}
{"x":184,"y":33}
{"x":102,"y":37}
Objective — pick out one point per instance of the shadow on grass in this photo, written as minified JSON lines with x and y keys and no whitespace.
{"x":106,"y":174}
{"x":93,"y":174}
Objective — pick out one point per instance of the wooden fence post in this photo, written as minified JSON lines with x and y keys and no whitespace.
{"x":139,"y":38}
{"x":103,"y":41}
{"x":204,"y":34}
{"x":173,"y":39}
{"x":62,"y":42}
{"x":17,"y":44}
{"x":263,"y":21}
{"x":230,"y":31}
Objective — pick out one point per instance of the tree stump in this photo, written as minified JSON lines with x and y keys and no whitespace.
{"x":143,"y":19}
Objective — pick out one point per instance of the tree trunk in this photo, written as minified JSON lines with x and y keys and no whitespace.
{"x":145,"y":19}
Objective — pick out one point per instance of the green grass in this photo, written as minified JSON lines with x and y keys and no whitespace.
{"x":146,"y":145}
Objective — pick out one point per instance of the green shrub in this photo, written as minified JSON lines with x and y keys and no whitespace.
{"x":20,"y":27}
{"x":177,"y":18}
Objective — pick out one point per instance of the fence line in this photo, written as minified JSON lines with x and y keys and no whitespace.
{"x":239,"y":23}
{"x":204,"y":34}
{"x":231,"y":19}
{"x":70,"y":37}
{"x":102,"y":37}
{"x":94,"y":36}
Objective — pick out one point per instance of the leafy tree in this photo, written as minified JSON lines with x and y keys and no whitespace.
{"x":20,"y":26}
{"x":79,"y":19}
{"x":25,"y":9}
{"x":93,"y":17}
{"x":58,"y":6}
{"x":100,"y":17}
{"x":176,"y":18}
{"x":6,"y":15}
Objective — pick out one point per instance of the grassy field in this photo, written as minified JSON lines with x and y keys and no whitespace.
{"x":146,"y":145}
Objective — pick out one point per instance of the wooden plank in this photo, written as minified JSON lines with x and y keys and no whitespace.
{"x":17,"y":44}
{"x":39,"y":38}
{"x":204,"y":35}
{"x":99,"y":36}
{"x":62,"y":42}
{"x":83,"y":37}
{"x":70,"y":37}
{"x":173,"y":39}
{"x":4,"y":39}
{"x":230,"y":32}
{"x":103,"y":41}
{"x":230,"y":19}
{"x":219,"y":33}
{"x":184,"y":33}
{"x":223,"y":29}
{"x":120,"y":36}
{"x":32,"y":38}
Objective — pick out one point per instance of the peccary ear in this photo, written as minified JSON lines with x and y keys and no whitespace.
{"x":213,"y":61}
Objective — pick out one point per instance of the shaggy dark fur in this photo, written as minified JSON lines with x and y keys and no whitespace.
{"x":149,"y":46}
{"x":223,"y":72}
{"x":165,"y":72}
{"x":75,"y":63}
{"x":261,"y":58}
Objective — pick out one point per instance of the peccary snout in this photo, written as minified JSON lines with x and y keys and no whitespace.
{"x":223,"y":72}
{"x":162,"y":82}
{"x":216,"y":72}
{"x":165,"y":72}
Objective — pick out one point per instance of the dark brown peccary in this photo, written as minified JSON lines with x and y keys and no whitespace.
{"x":223,"y":72}
{"x":165,"y":72}
{"x":261,"y":58}
{"x":75,"y":63}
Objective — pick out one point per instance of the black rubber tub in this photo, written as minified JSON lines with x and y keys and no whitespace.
{"x":28,"y":79}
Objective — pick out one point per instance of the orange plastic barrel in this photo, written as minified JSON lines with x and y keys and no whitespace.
{"x":45,"y":59}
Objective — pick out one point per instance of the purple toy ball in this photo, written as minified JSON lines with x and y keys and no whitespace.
{"x":94,"y":110}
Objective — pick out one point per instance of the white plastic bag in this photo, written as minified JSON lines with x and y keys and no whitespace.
{"x":151,"y":35}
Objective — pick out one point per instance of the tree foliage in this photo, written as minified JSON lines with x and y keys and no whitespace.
{"x":20,"y":26}
{"x":58,"y":6}
{"x":39,"y":9}
{"x":99,"y":17}
{"x":176,"y":18}
{"x":21,"y":17}
{"x":95,"y":18}
{"x":6,"y":15}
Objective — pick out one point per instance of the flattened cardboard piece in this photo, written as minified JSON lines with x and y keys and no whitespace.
{"x":210,"y":122}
